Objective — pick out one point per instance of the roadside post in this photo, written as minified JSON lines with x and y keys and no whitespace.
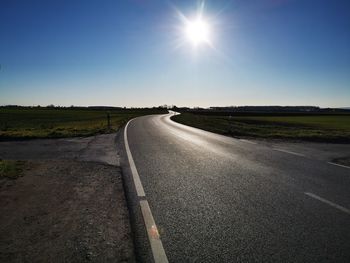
{"x":108,"y":120}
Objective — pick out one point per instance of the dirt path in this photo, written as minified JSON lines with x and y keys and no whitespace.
{"x":68,"y":206}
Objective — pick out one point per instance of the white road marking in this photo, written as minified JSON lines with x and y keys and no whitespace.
{"x":157,"y":248}
{"x":290,"y":152}
{"x":153,"y":234}
{"x":344,"y":166}
{"x":244,"y":140}
{"x":339,"y":207}
{"x":135,"y":174}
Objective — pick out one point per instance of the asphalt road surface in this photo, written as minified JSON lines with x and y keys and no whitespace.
{"x":221,"y":199}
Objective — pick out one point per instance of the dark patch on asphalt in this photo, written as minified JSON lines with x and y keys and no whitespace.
{"x":342,"y":161}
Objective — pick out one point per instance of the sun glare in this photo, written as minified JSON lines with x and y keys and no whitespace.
{"x":197,"y":29}
{"x":197,"y":32}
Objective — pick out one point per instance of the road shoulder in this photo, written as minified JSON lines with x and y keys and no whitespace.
{"x":67,"y":205}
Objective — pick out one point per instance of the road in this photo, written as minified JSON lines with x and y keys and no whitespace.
{"x":221,"y":199}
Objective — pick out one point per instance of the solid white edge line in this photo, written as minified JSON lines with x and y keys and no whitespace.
{"x":290,"y":152}
{"x":344,"y":166}
{"x":339,"y":207}
{"x":157,"y":248}
{"x":135,"y":175}
{"x":153,"y":234}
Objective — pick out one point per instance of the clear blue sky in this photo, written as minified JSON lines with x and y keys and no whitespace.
{"x":127,"y":53}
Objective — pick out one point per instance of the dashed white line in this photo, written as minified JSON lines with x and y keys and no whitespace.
{"x":157,"y":248}
{"x":344,"y":166}
{"x":290,"y":152}
{"x":339,"y":207}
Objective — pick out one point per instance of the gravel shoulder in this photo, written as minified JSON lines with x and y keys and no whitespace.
{"x":68,"y":205}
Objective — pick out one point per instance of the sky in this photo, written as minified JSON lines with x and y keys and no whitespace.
{"x":135,"y":53}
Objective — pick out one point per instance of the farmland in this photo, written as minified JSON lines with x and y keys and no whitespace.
{"x":322,"y":127}
{"x":36,"y":122}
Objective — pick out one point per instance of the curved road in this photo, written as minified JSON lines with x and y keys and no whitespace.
{"x":220,"y":199}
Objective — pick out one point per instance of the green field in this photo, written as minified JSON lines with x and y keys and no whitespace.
{"x":26,"y":123}
{"x":325,"y":128}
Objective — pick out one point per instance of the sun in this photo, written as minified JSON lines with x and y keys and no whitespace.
{"x":198,"y":31}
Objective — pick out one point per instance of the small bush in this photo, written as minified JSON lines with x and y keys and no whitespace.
{"x":11,"y":169}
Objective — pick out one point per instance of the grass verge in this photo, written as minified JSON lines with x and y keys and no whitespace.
{"x":327,"y":128}
{"x":27,"y":123}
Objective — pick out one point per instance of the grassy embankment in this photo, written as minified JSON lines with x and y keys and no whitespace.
{"x":325,"y":128}
{"x":26,"y":123}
